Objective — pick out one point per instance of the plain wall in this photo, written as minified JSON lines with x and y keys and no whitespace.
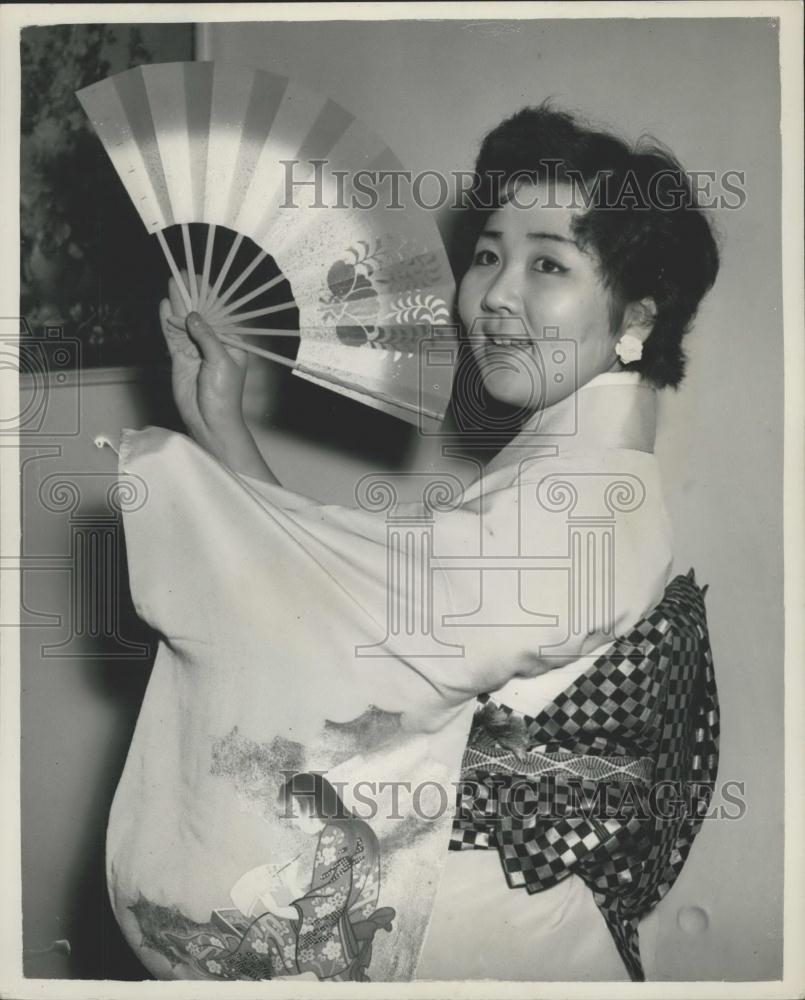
{"x":432,"y":89}
{"x":79,"y":704}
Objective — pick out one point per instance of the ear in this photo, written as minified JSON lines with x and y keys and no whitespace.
{"x":638,"y":319}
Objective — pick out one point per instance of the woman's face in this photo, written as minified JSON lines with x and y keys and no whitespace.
{"x":529,"y":287}
{"x":307,"y":822}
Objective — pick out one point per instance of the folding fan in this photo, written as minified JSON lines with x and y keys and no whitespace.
{"x":270,"y":167}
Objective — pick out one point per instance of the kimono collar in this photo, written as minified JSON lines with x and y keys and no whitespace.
{"x":612,"y":410}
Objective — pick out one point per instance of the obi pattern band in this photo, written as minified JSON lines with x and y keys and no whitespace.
{"x":611,"y":781}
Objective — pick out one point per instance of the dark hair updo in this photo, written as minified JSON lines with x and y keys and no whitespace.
{"x":640,"y":216}
{"x":312,"y":794}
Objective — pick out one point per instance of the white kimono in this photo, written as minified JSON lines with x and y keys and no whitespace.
{"x":298,"y":636}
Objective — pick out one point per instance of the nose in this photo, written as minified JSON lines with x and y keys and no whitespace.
{"x":502,"y":294}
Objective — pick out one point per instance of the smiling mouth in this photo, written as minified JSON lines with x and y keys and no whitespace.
{"x":524,"y":343}
{"x":506,"y":335}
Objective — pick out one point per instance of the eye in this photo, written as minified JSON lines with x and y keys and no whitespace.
{"x":484,"y":258}
{"x":547,"y":265}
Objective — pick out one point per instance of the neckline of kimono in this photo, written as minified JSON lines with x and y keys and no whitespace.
{"x":613,"y":410}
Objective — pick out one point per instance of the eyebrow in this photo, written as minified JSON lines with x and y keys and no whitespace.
{"x":496,"y":234}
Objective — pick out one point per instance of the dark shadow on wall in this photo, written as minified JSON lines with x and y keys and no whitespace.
{"x":97,"y":948}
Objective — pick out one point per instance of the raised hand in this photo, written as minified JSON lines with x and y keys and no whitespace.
{"x":208,"y":378}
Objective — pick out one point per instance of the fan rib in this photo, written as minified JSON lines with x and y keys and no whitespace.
{"x":226,"y":266}
{"x":245,"y":346}
{"x":179,"y":323}
{"x":326,"y":377}
{"x":205,"y":272}
{"x":224,"y":297}
{"x":267,"y":311}
{"x":232,"y":306}
{"x":166,"y":250}
{"x":191,"y":267}
{"x":261,"y":331}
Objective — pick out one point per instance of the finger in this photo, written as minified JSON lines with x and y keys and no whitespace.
{"x":205,"y":338}
{"x":178,"y":327}
{"x":173,"y":329}
{"x":238,"y":354}
{"x":169,"y":330}
{"x":165,"y":312}
{"x":188,"y":287}
{"x":193,"y":285}
{"x":177,"y":302}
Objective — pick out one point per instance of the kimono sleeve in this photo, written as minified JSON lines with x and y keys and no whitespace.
{"x":278,"y":495}
{"x":322,"y":945}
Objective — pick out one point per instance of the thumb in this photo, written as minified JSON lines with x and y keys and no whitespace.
{"x":205,"y":339}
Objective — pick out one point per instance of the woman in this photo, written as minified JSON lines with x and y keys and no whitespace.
{"x":589,"y":267}
{"x":337,"y":918}
{"x":623,"y":281}
{"x":326,"y":931}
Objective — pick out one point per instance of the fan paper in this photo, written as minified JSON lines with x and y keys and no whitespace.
{"x":253,"y":152}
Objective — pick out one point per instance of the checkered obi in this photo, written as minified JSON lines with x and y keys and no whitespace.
{"x":612,"y":780}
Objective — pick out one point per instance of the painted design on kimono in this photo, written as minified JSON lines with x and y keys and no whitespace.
{"x":322,"y":930}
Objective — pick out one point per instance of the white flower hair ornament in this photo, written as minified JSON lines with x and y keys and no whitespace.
{"x":629,"y":348}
